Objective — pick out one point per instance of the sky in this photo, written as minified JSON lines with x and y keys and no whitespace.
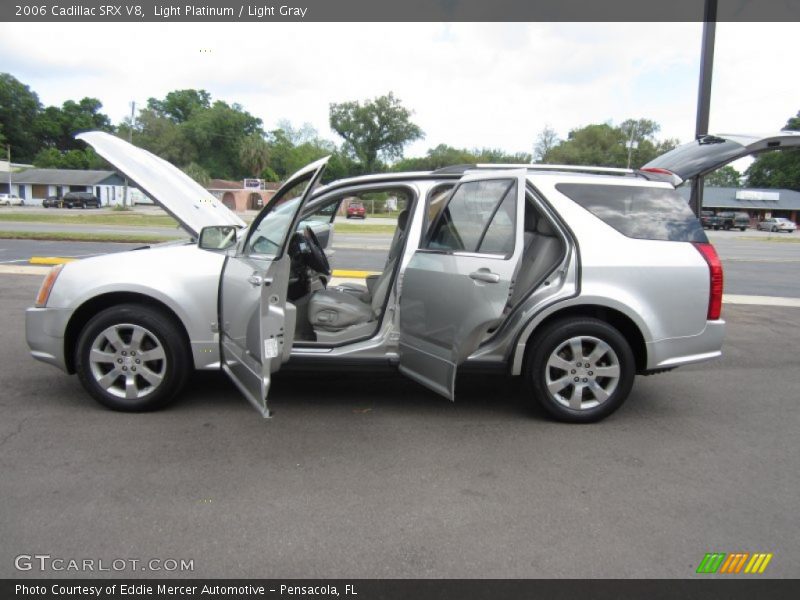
{"x":469,"y":84}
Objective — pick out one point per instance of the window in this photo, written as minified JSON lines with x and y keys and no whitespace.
{"x":645,"y":213}
{"x":480,"y":217}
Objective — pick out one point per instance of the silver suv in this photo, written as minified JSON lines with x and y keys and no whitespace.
{"x":576,"y":279}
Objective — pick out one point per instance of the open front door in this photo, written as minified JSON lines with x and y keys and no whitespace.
{"x":256,"y":320}
{"x":457,"y":284}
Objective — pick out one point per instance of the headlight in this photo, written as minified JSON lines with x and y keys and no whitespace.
{"x":47,"y":286}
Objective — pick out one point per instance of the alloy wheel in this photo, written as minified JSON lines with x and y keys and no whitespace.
{"x":128,"y":361}
{"x":582,"y":372}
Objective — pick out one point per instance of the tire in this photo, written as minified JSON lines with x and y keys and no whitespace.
{"x":157,"y":381}
{"x":742,"y":228}
{"x":594,"y":397}
{"x":774,"y":230}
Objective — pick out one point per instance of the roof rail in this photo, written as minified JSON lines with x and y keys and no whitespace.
{"x":577,"y":168}
{"x":458,"y":169}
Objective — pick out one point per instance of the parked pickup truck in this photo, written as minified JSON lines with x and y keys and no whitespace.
{"x":731,"y":220}
{"x":708,"y":219}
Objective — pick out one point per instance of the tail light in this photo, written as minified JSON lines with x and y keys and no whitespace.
{"x":715,"y":271}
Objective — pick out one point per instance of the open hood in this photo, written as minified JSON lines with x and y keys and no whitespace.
{"x":710,"y":152}
{"x":182,"y":197}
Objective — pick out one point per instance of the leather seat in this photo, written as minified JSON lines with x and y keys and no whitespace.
{"x":543,"y":250}
{"x":337,"y":308}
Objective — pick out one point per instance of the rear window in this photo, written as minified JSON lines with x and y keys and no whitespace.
{"x":645,"y":213}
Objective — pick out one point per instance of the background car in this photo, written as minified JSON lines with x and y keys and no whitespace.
{"x":732,"y":220}
{"x":356,"y":209}
{"x":11,"y":200}
{"x":708,"y":219}
{"x":80,"y":200}
{"x":52,"y":202}
{"x":776,"y":225}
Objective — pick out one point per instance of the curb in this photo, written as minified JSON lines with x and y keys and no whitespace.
{"x":50,"y":260}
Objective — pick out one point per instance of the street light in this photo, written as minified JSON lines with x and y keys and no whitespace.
{"x":704,"y":92}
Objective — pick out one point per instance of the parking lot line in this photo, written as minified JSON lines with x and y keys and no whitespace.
{"x":761,"y":300}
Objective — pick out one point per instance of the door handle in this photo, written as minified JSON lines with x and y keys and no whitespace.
{"x":257,"y":280}
{"x":485,"y":275}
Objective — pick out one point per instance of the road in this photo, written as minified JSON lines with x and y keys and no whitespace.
{"x":373,"y":476}
{"x":752,"y":266}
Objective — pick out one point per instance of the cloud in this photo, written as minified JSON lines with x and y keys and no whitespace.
{"x":470,"y":84}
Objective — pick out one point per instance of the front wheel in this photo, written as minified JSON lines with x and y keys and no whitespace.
{"x":742,"y":228}
{"x":581,"y":370}
{"x":132,"y":358}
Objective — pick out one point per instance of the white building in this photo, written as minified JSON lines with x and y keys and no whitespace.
{"x":34,"y":185}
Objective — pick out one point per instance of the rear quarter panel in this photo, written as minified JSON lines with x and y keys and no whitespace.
{"x":662,"y":286}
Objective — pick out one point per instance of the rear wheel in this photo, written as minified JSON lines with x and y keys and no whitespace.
{"x":132,"y":358}
{"x":581,"y":370}
{"x":742,"y":228}
{"x":774,"y":230}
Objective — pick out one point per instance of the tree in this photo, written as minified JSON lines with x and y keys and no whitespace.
{"x":254,"y":153}
{"x":55,"y":130}
{"x":725,"y":177}
{"x":604,"y":145}
{"x":378,"y":129}
{"x":545,"y":142}
{"x":19,"y":107}
{"x":445,"y":156}
{"x":179,"y":105}
{"x":778,"y":169}
{"x":198,"y":173}
{"x":186,"y":127}
{"x":291,"y":149}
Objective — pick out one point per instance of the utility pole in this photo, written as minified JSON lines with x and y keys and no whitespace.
{"x":704,"y":92}
{"x":9,"y":169}
{"x":630,"y":144}
{"x":130,"y":140}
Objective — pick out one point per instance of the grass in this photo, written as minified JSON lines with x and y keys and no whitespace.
{"x":785,"y":238}
{"x":65,"y":236}
{"x":85,"y":217}
{"x":353,"y":228}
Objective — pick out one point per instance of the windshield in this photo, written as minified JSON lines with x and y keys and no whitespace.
{"x":270,"y":232}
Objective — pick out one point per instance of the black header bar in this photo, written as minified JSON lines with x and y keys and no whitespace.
{"x":394,"y":10}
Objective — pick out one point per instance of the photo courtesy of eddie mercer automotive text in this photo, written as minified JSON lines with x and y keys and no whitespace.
{"x":574,"y":278}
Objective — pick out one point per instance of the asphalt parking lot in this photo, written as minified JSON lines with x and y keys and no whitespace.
{"x":373,"y":476}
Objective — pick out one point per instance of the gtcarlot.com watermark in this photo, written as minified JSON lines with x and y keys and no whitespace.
{"x":58,"y":564}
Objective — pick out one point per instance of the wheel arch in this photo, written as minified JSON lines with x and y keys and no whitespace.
{"x":81,"y":316}
{"x":616,"y":318}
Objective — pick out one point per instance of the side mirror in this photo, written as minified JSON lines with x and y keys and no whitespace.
{"x":217,"y":237}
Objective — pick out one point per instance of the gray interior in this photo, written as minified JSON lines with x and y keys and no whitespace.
{"x":544,"y":249}
{"x":350,"y":311}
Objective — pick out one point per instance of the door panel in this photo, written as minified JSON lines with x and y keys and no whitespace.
{"x":258,"y":324}
{"x":452,"y":293}
{"x":256,"y":320}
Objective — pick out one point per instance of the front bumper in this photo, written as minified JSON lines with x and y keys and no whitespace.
{"x":44,"y":330}
{"x":673,"y":352}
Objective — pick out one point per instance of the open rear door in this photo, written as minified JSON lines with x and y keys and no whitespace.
{"x":255,"y":318}
{"x":710,"y":152}
{"x":457,"y":284}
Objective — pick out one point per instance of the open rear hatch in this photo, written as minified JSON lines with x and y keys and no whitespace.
{"x":710,"y":152}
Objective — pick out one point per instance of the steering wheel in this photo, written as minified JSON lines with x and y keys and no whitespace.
{"x":316,"y":258}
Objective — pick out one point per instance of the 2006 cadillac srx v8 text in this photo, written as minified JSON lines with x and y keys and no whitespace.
{"x":575,"y":278}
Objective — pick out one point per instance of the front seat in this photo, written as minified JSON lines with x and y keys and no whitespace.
{"x":340,"y":307}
